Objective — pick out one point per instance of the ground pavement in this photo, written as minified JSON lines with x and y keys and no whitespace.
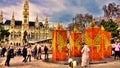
{"x":17,"y":63}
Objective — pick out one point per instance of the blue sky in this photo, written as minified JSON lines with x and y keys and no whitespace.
{"x":57,"y":10}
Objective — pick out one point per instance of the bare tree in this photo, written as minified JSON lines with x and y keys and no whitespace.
{"x":111,"y":10}
{"x":81,"y":21}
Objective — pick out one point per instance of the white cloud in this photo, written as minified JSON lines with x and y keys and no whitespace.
{"x":51,"y":8}
{"x":7,"y":11}
{"x":34,"y":9}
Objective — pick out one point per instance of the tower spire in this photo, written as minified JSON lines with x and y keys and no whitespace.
{"x":46,"y":22}
{"x":1,"y":13}
{"x":1,"y":17}
{"x":12,"y":20}
{"x":25,"y":16}
{"x":13,"y":16}
{"x":37,"y":17}
{"x":37,"y":21}
{"x":26,"y":5}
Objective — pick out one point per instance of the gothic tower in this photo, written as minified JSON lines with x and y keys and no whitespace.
{"x":37,"y":22}
{"x":46,"y":26}
{"x":25,"y":22}
{"x":46,"y":23}
{"x":12,"y":21}
{"x":25,"y":17}
{"x":1,"y":18}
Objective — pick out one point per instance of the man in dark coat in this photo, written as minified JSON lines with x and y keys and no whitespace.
{"x":39,"y":53}
{"x":12,"y":52}
{"x":3,"y":51}
{"x":24,"y":54}
{"x":35,"y":52}
{"x":46,"y":52}
{"x":8,"y":57}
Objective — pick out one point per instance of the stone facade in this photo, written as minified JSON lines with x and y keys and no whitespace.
{"x":25,"y":30}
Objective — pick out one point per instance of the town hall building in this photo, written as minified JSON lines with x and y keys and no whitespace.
{"x":25,"y":30}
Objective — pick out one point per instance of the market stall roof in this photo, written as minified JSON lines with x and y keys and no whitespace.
{"x":38,"y":41}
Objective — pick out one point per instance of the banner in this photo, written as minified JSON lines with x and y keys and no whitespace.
{"x":93,"y":38}
{"x":59,"y":38}
{"x":75,"y":44}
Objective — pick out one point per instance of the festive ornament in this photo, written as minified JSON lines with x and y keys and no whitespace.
{"x":58,"y":26}
{"x":75,"y":29}
{"x":92,"y":24}
{"x":102,"y":28}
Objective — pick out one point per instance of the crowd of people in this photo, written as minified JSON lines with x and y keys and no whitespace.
{"x":27,"y":52}
{"x":36,"y":51}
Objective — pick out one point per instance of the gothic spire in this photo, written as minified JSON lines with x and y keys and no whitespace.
{"x":25,"y":17}
{"x":13,"y":16}
{"x":37,"y":21}
{"x":12,"y":19}
{"x":1,"y":17}
{"x":1,"y":13}
{"x":46,"y":22}
{"x":26,"y":5}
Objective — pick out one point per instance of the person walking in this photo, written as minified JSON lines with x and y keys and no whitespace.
{"x":68,"y":50}
{"x":19,"y":52}
{"x":3,"y":51}
{"x":116,"y":50}
{"x":8,"y":57}
{"x":85,"y":55}
{"x":46,"y":52}
{"x":39,"y":53}
{"x":12,"y":52}
{"x":24,"y":54}
{"x":0,"y":51}
{"x":29,"y":50}
{"x":35,"y":52}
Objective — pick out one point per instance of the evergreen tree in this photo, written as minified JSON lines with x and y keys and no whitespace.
{"x":3,"y":33}
{"x":112,"y":27}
